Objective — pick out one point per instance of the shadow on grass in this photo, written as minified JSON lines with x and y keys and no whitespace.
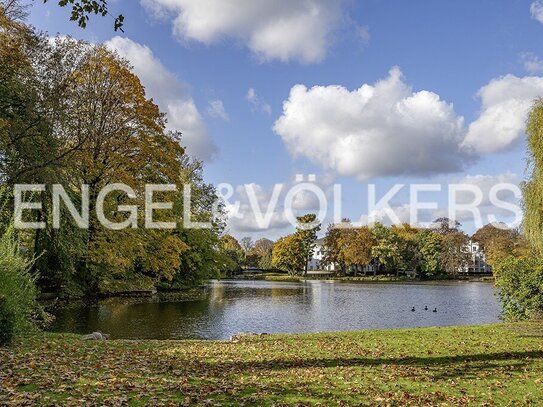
{"x":439,"y":367}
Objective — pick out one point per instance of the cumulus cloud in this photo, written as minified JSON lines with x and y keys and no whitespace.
{"x":257,"y":102}
{"x":243,"y":216}
{"x":505,"y":105}
{"x":485,"y":183}
{"x":170,"y":94}
{"x":536,"y":9}
{"x":216,"y":110}
{"x":376,"y":130}
{"x":387,"y":129}
{"x":273,"y":30}
{"x":248,"y":208}
{"x":508,"y":188}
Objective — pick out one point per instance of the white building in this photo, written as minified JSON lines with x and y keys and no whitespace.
{"x":317,"y":262}
{"x":478,"y":264}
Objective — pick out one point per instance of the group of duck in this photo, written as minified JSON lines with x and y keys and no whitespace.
{"x":425,"y":309}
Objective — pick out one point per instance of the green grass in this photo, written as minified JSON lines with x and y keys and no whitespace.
{"x":486,"y":365}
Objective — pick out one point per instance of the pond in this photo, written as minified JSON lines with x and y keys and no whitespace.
{"x":276,"y":307}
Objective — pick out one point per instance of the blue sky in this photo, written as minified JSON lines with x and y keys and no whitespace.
{"x":196,"y":54}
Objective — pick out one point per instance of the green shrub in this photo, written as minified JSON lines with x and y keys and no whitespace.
{"x":7,"y":323}
{"x":519,"y":281}
{"x":17,"y":290}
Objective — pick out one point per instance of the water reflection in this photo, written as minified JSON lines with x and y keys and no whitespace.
{"x":313,"y":306}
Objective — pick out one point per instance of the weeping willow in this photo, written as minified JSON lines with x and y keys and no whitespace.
{"x":533,"y":187}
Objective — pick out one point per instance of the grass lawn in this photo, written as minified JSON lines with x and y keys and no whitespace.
{"x":475,"y":365}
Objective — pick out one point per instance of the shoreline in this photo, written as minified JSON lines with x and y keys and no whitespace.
{"x":278,"y":277}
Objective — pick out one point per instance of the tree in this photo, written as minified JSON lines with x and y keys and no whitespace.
{"x":247,"y":244}
{"x":121,"y":138}
{"x":519,"y":276}
{"x":289,"y":255}
{"x":499,"y":241}
{"x":357,"y":245}
{"x":83,"y":9}
{"x":454,"y":253}
{"x":409,"y":248}
{"x":266,"y":261}
{"x":518,"y":280}
{"x":14,"y":10}
{"x":533,"y":187}
{"x":231,"y":254}
{"x":387,"y":248}
{"x":333,"y":241}
{"x":306,"y":235}
{"x":73,"y":113}
{"x":444,"y":226}
{"x":261,"y":254}
{"x":429,"y":248}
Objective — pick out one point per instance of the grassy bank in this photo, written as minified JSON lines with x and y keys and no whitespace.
{"x":476,"y":365}
{"x":280,"y":277}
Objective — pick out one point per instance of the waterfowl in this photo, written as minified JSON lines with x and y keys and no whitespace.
{"x":413,"y":309}
{"x":426,"y":308}
{"x":435,"y":310}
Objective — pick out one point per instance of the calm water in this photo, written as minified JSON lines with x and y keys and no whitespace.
{"x":258,"y":306}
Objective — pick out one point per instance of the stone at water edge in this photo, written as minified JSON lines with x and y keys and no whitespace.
{"x":95,"y":336}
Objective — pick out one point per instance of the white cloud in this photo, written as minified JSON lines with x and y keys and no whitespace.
{"x":536,"y":9}
{"x":487,"y":209}
{"x":242,"y":218}
{"x":273,"y":30}
{"x":484,"y":183}
{"x":216,"y":110}
{"x":401,"y":213}
{"x":376,"y":130}
{"x":169,"y":93}
{"x":506,"y":102}
{"x":387,"y":129}
{"x":257,"y":102}
{"x":532,"y":63}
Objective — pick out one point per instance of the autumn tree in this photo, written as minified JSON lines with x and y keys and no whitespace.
{"x":261,"y":252}
{"x":357,"y":246}
{"x":387,"y":248}
{"x":122,"y":139}
{"x":289,"y":255}
{"x":333,"y":241}
{"x":454,"y":252}
{"x":498,"y":241}
{"x":73,"y":113}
